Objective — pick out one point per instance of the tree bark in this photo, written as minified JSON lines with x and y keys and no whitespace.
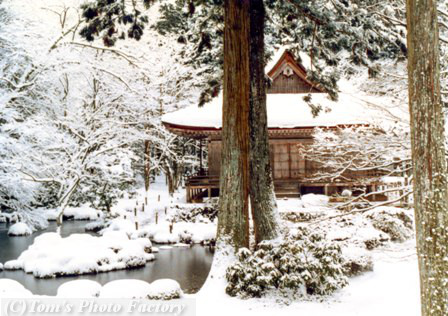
{"x":234,"y":179}
{"x":428,"y":155}
{"x":262,"y":197}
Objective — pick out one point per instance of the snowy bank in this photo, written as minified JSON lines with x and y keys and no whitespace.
{"x":51,"y":255}
{"x":13,"y":289}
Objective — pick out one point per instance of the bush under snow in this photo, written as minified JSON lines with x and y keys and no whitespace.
{"x":395,"y":222}
{"x":125,"y":289}
{"x":51,"y":255}
{"x":303,"y":264}
{"x":79,"y":289}
{"x":165,"y":289}
{"x":19,"y":229}
{"x":310,"y":200}
{"x":84,"y":212}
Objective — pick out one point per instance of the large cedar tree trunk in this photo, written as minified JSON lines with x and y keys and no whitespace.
{"x":428,"y":155}
{"x":262,"y":197}
{"x":234,"y":179}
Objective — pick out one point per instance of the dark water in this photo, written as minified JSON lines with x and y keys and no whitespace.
{"x":188,"y":266}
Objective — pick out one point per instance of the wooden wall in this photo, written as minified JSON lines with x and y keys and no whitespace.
{"x":286,"y":161}
{"x":290,"y":84}
{"x":214,"y":157}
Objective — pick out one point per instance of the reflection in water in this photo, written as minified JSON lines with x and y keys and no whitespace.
{"x":188,"y":266}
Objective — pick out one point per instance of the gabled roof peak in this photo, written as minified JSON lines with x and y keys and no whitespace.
{"x":286,"y":67}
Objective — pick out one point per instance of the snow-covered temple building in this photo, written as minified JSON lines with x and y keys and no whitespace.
{"x":290,"y":124}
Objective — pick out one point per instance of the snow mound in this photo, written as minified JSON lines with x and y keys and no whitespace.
{"x":19,"y":229}
{"x":13,"y":289}
{"x":165,"y":289}
{"x":51,"y":255}
{"x":310,"y":200}
{"x":79,"y":289}
{"x":126,"y":289}
{"x":1,"y":266}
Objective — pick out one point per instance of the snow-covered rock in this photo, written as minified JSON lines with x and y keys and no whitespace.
{"x":310,"y":200}
{"x":13,"y":289}
{"x":165,"y":289}
{"x":51,"y":255}
{"x":1,"y":267}
{"x":79,"y":289}
{"x":20,"y":229}
{"x":126,"y":289}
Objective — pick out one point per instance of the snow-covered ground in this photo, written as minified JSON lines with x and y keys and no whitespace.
{"x":383,"y":235}
{"x":391,"y":289}
{"x":159,"y":218}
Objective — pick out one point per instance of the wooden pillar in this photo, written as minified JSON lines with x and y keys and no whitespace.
{"x":200,"y":157}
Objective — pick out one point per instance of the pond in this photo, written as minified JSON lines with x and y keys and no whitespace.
{"x":188,"y":266}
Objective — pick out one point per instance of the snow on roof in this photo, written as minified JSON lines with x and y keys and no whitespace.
{"x":284,"y":111}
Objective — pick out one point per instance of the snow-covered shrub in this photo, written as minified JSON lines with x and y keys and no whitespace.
{"x":126,"y":289}
{"x":395,"y":222}
{"x":196,"y":214}
{"x":303,"y":264}
{"x":19,"y":229}
{"x":300,"y":216}
{"x":165,"y":289}
{"x":311,"y":199}
{"x":356,"y":261}
{"x":79,"y":289}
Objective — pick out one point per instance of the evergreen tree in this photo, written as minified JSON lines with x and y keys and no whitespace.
{"x":428,"y":155}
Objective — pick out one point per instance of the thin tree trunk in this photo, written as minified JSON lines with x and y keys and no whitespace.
{"x":428,"y":155}
{"x":234,"y":179}
{"x":147,"y":165}
{"x":262,"y":197}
